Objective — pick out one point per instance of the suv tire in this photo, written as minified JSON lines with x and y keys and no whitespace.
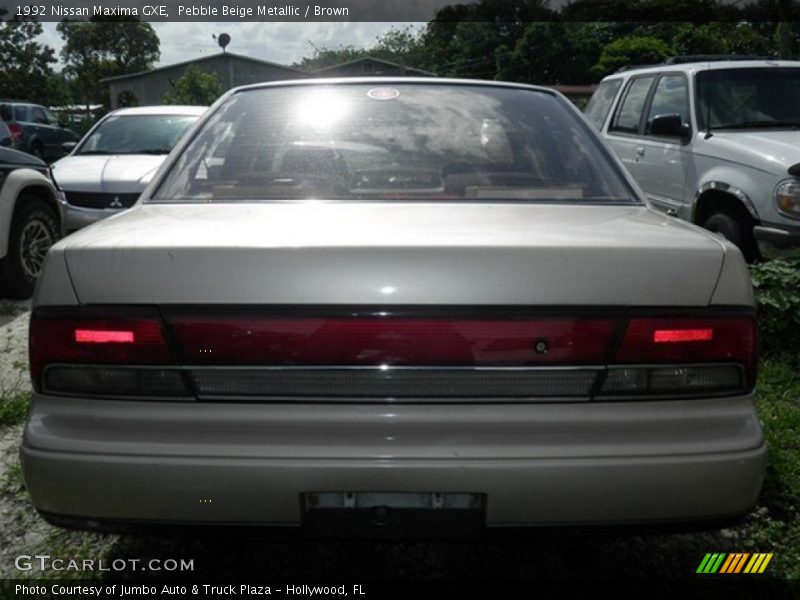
{"x":34,"y":229}
{"x":735,"y":230}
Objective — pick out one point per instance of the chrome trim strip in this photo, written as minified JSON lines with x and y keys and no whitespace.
{"x":387,"y":368}
{"x":597,"y":370}
{"x":425,"y":400}
{"x":395,"y":383}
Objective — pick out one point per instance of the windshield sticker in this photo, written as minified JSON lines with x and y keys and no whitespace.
{"x":383,"y":93}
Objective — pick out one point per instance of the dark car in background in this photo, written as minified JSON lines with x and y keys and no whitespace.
{"x":6,"y":139}
{"x":5,"y":134}
{"x":36,"y":130}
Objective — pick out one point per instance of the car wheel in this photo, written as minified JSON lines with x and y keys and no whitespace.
{"x":34,"y":229}
{"x":735,"y":230}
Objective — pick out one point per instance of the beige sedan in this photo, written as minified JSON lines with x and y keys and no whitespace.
{"x":385,"y":306}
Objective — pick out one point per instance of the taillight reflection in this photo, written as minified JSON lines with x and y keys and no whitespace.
{"x":103,"y":336}
{"x":675,"y":336}
{"x":16,"y":131}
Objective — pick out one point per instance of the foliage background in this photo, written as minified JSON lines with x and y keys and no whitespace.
{"x":777,"y":287}
{"x":195,"y":88}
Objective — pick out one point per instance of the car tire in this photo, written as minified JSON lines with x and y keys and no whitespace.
{"x":735,"y":229}
{"x":34,"y":229}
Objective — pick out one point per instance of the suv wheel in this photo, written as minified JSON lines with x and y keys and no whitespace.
{"x":736,"y":230}
{"x":34,"y":229}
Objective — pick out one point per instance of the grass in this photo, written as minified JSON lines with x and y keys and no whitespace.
{"x":20,"y":519}
{"x":779,"y":410}
{"x":11,"y":309}
{"x":12,"y":481}
{"x":14,"y":408}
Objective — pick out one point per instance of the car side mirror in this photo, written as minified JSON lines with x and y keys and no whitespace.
{"x":671,"y":125}
{"x":69,"y":146}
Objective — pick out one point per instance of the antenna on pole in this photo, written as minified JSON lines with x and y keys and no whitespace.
{"x":223,"y":40}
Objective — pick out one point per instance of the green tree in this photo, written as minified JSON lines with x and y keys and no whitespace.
{"x":195,"y":87}
{"x":324,"y":56}
{"x":721,"y":38}
{"x":631,"y":50}
{"x":700,"y":39}
{"x":472,"y":50}
{"x":106,"y":47}
{"x":26,"y":70}
{"x":777,"y":21}
{"x":555,"y":52}
{"x":400,"y":45}
{"x":474,"y":40}
{"x":745,"y":39}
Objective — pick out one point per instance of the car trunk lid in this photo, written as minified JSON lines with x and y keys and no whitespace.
{"x":368,"y":254}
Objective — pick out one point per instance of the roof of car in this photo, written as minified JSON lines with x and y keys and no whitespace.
{"x":161,"y":110}
{"x":705,"y":65}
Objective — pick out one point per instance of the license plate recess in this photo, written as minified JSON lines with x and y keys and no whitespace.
{"x":393,"y":514}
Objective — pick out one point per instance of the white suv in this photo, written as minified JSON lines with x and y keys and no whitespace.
{"x":715,"y":142}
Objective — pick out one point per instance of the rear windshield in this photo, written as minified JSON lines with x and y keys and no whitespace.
{"x":397,"y":141}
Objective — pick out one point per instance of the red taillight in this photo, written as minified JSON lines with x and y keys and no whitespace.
{"x":132,"y":352}
{"x":16,"y":131}
{"x":691,"y":341}
{"x":97,"y":336}
{"x":704,"y":339}
{"x":103,"y":336}
{"x":668,"y":336}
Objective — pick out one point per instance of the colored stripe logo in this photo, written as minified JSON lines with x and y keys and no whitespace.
{"x":734,"y":563}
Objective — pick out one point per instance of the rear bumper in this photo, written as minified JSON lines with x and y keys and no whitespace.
{"x":537,"y":465}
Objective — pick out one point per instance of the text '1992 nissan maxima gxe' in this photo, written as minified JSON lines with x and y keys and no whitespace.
{"x":362,"y":305}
